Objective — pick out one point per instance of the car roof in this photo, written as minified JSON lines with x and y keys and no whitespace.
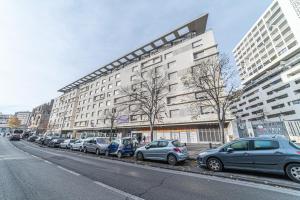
{"x":265,"y":137}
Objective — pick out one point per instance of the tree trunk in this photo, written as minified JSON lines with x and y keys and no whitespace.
{"x":221,"y":126}
{"x":151,"y":132}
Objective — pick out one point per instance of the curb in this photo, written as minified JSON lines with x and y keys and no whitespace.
{"x":207,"y":173}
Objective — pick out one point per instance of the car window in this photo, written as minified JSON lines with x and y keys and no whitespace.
{"x":102,"y":141}
{"x":265,"y":144}
{"x":176,"y":143}
{"x":163,"y":143}
{"x":239,"y":146}
{"x":127,"y":141}
{"x":295,"y":145}
{"x":153,"y":144}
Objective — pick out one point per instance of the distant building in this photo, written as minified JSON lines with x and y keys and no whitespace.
{"x":40,"y":117}
{"x":24,"y":117}
{"x":4,"y":122}
{"x":268,"y":60}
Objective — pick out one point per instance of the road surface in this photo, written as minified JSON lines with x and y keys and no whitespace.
{"x":29,"y":172}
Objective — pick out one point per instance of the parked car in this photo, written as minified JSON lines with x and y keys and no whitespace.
{"x":120,"y":147}
{"x":55,"y":142}
{"x":32,"y":138}
{"x":67,"y":143}
{"x":171,"y":151}
{"x":77,"y":145}
{"x":40,"y":140}
{"x":15,"y":136}
{"x":271,"y":154}
{"x":96,"y":145}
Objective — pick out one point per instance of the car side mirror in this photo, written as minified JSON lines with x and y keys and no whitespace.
{"x":229,"y":150}
{"x":147,"y":147}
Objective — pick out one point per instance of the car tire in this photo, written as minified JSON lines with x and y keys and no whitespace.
{"x":172,"y":160}
{"x":293,"y":172}
{"x":80,"y":149}
{"x":119,"y":154}
{"x":71,"y":148}
{"x":214,"y":164}
{"x":106,"y":153}
{"x":97,"y":152}
{"x":140,"y":156}
{"x":84,"y":150}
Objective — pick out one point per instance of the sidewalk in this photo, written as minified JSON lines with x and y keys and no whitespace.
{"x":194,"y":149}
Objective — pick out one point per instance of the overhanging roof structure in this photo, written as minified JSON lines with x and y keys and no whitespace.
{"x":197,"y":26}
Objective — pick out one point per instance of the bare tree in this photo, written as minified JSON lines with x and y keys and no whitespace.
{"x":112,"y":115}
{"x":147,"y":95}
{"x":213,"y":81}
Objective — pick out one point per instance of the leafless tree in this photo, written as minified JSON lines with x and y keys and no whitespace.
{"x":213,"y":81}
{"x":112,"y":115}
{"x":147,"y":96}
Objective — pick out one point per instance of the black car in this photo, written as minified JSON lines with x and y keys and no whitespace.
{"x":55,"y":142}
{"x":15,"y":137}
{"x":32,"y":138}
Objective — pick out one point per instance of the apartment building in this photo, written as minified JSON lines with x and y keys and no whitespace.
{"x":80,"y":110}
{"x":268,"y":60}
{"x":4,"y":122}
{"x":24,"y":117}
{"x":40,"y":117}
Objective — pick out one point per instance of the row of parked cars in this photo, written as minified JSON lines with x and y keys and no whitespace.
{"x":171,"y":151}
{"x":269,"y":154}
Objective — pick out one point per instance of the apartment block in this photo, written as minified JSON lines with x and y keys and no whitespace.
{"x":24,"y":117}
{"x":40,"y":117}
{"x":268,"y":60}
{"x":80,"y":110}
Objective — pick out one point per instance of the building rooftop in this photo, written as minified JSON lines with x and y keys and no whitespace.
{"x":197,"y":26}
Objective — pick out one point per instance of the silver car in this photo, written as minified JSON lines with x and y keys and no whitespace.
{"x":171,"y":151}
{"x":274,"y":154}
{"x":96,"y":145}
{"x":77,"y":145}
{"x":67,"y":143}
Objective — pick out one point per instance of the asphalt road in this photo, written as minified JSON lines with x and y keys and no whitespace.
{"x":65,"y":175}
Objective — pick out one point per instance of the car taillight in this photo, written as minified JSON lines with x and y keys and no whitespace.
{"x":177,"y":150}
{"x":298,"y":152}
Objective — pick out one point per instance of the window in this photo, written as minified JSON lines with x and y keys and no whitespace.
{"x":118,"y":83}
{"x":117,"y":75}
{"x":109,"y":94}
{"x":153,"y":144}
{"x":108,"y":103}
{"x":173,"y":87}
{"x":116,"y":92}
{"x":265,"y":144}
{"x":135,"y":68}
{"x":168,"y":55}
{"x":199,"y":54}
{"x":171,"y":64}
{"x":110,"y":78}
{"x":158,"y":69}
{"x":101,"y":104}
{"x":239,"y":146}
{"x":133,"y":118}
{"x":102,"y":88}
{"x":172,"y":75}
{"x":109,"y":86}
{"x":197,"y":43}
{"x":103,"y":81}
{"x":134,"y":77}
{"x":163,"y":143}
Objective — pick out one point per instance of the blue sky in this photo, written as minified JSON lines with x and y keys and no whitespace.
{"x":47,"y":44}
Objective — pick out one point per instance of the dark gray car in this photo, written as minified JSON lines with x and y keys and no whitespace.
{"x":266,"y":154}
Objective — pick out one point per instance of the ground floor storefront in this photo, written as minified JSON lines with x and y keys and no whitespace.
{"x":196,"y":133}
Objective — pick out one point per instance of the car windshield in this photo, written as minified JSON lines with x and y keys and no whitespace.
{"x":295,"y":145}
{"x":176,"y":143}
{"x":102,"y":140}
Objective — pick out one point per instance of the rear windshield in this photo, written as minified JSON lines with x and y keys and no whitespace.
{"x":295,"y":145}
{"x":177,"y":144}
{"x":102,"y":140}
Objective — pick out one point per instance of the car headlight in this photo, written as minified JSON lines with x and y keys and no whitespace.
{"x":54,"y":140}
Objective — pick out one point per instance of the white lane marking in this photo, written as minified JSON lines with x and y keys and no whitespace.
{"x":72,"y":172}
{"x":35,"y":156}
{"x":46,"y":161}
{"x":13,"y":158}
{"x":118,"y":191}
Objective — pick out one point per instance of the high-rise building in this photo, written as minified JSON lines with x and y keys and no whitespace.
{"x":4,"y":122}
{"x":268,"y":61}
{"x":79,"y":110}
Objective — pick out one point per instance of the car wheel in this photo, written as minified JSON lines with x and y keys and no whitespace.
{"x":293,"y":172}
{"x":97,"y":152}
{"x":106,"y":153}
{"x":214,"y":164}
{"x":172,"y":160}
{"x":71,"y":148}
{"x":140,"y":156}
{"x":84,"y":150}
{"x":80,"y":149}
{"x":119,"y":154}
